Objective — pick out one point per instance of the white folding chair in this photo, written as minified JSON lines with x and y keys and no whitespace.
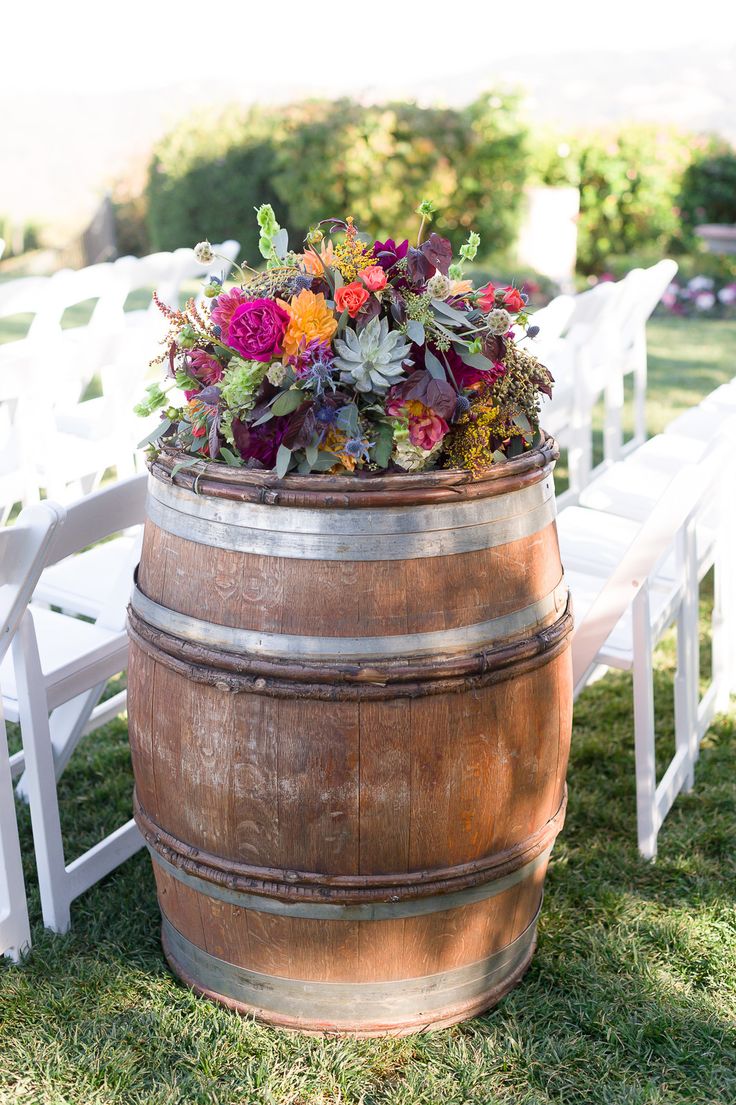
{"x":23,"y":550}
{"x":20,"y":301}
{"x":60,"y":666}
{"x":644,"y":571}
{"x":635,"y":310}
{"x":579,"y":362}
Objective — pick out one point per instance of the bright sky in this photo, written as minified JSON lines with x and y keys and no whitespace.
{"x":87,"y":45}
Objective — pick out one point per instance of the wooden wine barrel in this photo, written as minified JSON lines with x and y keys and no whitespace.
{"x":350,"y":710}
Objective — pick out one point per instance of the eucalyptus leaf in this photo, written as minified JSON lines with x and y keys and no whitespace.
{"x":325,"y":461}
{"x":185,"y":464}
{"x":311,"y":452}
{"x":283,"y":460}
{"x":499,"y":457}
{"x":475,"y":360}
{"x":523,"y":423}
{"x":154,"y":435}
{"x":287,"y":402}
{"x":448,"y":312}
{"x":415,"y":331}
{"x":347,"y":420}
{"x":342,"y":322}
{"x":434,"y":366}
{"x":383,"y":447}
{"x":230,"y":457}
{"x":337,"y":277}
{"x":516,"y":447}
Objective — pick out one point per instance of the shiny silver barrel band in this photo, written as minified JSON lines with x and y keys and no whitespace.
{"x":389,"y":533}
{"x":362,"y":1002}
{"x":289,"y":646}
{"x":368,"y":911}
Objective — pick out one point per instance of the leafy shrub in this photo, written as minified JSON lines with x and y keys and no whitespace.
{"x":320,"y":158}
{"x":629,"y":183}
{"x":708,"y":190}
{"x":205,"y":178}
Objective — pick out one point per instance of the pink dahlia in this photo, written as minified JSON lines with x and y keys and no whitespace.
{"x":426,"y":429}
{"x":224,"y":307}
{"x":203,"y":366}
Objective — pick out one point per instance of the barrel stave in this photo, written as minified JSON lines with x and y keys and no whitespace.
{"x":351,"y":822}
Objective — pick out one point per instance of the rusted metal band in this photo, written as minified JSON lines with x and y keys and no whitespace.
{"x":290,"y":646}
{"x":362,"y":1003}
{"x":389,"y":533}
{"x":290,"y":885}
{"x":342,"y":680}
{"x":370,"y":911}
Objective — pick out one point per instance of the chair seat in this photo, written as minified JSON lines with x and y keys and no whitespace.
{"x":66,"y":645}
{"x":618,"y":651}
{"x":632,"y":487}
{"x":595,"y":541}
{"x":723,"y":397}
{"x":701,"y":423}
{"x":81,"y":584}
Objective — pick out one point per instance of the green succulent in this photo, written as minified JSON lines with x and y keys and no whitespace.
{"x":371,"y":360}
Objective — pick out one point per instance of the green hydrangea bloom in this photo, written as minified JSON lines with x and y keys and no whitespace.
{"x":240,"y":383}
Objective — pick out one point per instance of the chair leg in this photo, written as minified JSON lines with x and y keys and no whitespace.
{"x":41,"y":778}
{"x":646,"y":776}
{"x":687,"y":677}
{"x":66,"y":727}
{"x":15,"y":930}
{"x":640,"y":388}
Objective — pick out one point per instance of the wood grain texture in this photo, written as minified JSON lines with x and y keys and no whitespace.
{"x":350,"y":783}
{"x":347,"y":598}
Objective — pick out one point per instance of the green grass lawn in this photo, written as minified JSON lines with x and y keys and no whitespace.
{"x":630,"y":1000}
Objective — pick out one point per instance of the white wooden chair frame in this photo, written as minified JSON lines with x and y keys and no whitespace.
{"x":671,"y":524}
{"x":56,"y":709}
{"x":23,"y":549}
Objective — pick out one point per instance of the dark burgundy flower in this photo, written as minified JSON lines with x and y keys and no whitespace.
{"x":388,"y":253}
{"x":260,"y":443}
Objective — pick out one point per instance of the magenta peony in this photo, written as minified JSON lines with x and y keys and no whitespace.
{"x":257,"y":328}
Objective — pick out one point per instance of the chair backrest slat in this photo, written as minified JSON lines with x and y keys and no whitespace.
{"x":24,"y":548}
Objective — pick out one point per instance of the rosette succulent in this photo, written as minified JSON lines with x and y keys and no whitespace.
{"x":373,"y":359}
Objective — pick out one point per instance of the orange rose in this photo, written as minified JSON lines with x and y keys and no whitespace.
{"x":351,"y":298}
{"x":374,"y":278}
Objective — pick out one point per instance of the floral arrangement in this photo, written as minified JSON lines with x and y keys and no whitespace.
{"x":352,"y":355}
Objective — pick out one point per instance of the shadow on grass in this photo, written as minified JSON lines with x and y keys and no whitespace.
{"x":630,"y":998}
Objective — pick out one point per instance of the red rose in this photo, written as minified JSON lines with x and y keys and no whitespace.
{"x":351,"y":298}
{"x":487,"y":297}
{"x":256,"y":330}
{"x":512,"y":300}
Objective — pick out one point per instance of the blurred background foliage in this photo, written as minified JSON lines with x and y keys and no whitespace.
{"x":643,"y":188}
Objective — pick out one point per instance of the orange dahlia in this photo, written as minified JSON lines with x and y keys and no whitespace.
{"x":311,"y":320}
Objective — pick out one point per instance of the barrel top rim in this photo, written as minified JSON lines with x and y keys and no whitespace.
{"x":210,"y":478}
